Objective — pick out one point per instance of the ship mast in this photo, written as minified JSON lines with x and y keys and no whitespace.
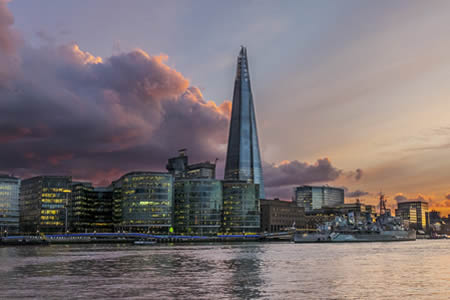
{"x":382,"y":204}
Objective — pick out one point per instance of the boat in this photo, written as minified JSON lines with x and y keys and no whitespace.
{"x":386,"y":228}
{"x":145,"y":242}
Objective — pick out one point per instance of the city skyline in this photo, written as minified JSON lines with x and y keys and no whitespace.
{"x":362,"y":107}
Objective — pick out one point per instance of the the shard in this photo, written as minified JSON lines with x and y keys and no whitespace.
{"x":243,"y":156}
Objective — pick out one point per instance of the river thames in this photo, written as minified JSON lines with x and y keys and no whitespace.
{"x":408,"y":270}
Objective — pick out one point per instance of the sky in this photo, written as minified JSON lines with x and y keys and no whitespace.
{"x":352,"y":94}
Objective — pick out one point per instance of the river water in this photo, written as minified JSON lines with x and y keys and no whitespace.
{"x":404,"y":270}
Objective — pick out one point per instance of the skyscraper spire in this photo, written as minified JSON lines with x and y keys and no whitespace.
{"x":243,"y":155}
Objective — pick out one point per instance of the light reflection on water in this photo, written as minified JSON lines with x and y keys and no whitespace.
{"x":419,"y":270}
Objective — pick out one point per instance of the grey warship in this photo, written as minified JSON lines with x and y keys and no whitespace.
{"x":386,"y":228}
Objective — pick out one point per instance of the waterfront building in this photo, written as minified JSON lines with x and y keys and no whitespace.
{"x":80,"y":208}
{"x":415,"y":213}
{"x":102,"y":209}
{"x":9,"y":204}
{"x":143,"y":202}
{"x":316,"y":197}
{"x":243,"y":162}
{"x":90,"y":209}
{"x":179,"y":167}
{"x":197,"y":206}
{"x":43,"y":204}
{"x":277,"y":215}
{"x":241,"y":208}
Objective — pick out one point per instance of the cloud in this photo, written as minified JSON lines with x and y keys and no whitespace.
{"x":298,"y":173}
{"x":399,"y":197}
{"x":280,"y":179}
{"x":356,"y":175}
{"x":67,"y":111}
{"x":356,"y":194}
{"x":8,"y":38}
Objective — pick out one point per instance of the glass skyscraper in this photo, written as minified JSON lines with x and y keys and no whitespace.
{"x":243,"y":156}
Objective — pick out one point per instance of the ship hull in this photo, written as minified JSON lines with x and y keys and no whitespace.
{"x":355,"y":237}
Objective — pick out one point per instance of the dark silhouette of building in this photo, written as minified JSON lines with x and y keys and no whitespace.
{"x":243,"y":156}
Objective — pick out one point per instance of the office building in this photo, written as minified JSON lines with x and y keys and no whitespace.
{"x":197,"y":206}
{"x":80,"y":208}
{"x":90,"y":209}
{"x":43,"y":204}
{"x":277,"y":215}
{"x":317,"y":197}
{"x":143,"y":202}
{"x":9,"y":204}
{"x":241,"y":210}
{"x":243,"y":162}
{"x":415,"y":213}
{"x":102,"y":209}
{"x":179,"y":167}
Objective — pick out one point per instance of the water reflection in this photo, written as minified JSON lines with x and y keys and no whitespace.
{"x":238,"y":271}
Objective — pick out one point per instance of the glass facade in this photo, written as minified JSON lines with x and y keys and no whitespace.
{"x":81,"y":207}
{"x":143,"y":202}
{"x":102,"y":210}
{"x":90,"y":209}
{"x":243,"y":156}
{"x":198,"y":206}
{"x":241,"y":211}
{"x":43,"y":203}
{"x":415,"y":212}
{"x":317,"y":197}
{"x":9,"y":204}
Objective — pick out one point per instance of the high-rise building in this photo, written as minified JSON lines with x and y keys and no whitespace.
{"x":317,"y":197}
{"x":198,"y":206}
{"x":243,"y":156}
{"x":143,"y":202}
{"x":415,"y":212}
{"x":241,"y":207}
{"x":44,"y":204}
{"x":9,"y":204}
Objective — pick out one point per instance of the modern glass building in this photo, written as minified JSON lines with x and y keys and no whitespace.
{"x":102,"y":209}
{"x":415,"y":212}
{"x":198,"y":206}
{"x":317,"y":197}
{"x":81,"y":207}
{"x":9,"y":204}
{"x":243,"y":156}
{"x":90,"y":209}
{"x":43,"y":203}
{"x":143,"y":202}
{"x":241,"y":211}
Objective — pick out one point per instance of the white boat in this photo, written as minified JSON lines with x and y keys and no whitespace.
{"x":145,"y":242}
